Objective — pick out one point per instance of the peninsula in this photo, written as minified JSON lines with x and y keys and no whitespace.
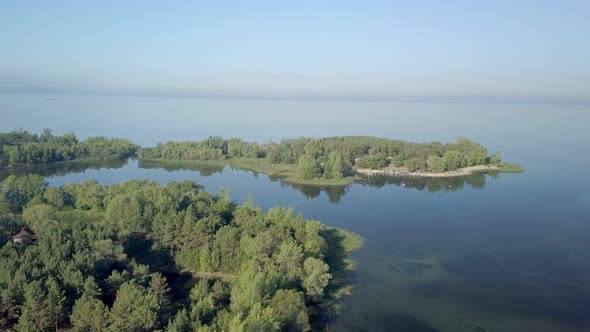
{"x":140,"y":256}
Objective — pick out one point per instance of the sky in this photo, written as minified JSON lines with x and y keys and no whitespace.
{"x":298,"y":49}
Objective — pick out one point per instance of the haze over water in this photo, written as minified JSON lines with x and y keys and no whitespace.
{"x":508,"y":254}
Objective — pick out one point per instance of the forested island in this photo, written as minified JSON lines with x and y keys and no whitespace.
{"x":139,"y":256}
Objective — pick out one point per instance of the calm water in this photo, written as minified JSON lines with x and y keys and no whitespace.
{"x":484,"y":253}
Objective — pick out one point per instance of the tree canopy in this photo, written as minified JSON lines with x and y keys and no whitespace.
{"x":139,"y":256}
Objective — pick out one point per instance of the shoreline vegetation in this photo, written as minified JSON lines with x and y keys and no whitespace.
{"x":330,"y":161}
{"x":287,"y":173}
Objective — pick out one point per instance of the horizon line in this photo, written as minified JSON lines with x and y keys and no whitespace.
{"x":531,"y":99}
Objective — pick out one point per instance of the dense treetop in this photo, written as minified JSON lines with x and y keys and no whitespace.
{"x":139,"y":256}
{"x":21,"y":147}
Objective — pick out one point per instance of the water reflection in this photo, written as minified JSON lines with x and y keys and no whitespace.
{"x":334,"y":193}
{"x":62,"y":168}
{"x":448,"y":184}
{"x":203,"y":169}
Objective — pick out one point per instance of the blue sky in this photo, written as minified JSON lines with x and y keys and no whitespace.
{"x":503,"y":49}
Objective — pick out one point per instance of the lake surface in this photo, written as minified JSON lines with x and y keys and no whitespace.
{"x":507,"y":252}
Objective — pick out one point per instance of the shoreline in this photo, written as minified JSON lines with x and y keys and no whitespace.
{"x":288,"y":173}
{"x":65,"y":162}
{"x":402,"y":171}
{"x":285,"y":172}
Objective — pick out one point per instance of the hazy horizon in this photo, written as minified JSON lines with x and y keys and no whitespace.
{"x":530,"y":51}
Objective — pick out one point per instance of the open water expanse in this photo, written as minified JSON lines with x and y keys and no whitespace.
{"x":493,"y":252}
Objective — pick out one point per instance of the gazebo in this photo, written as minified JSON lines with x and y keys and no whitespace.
{"x":25,"y":235}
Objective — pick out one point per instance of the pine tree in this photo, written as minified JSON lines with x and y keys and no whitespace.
{"x":35,"y":307}
{"x":159,"y":287}
{"x":134,"y":309}
{"x":25,"y":322}
{"x":89,"y":314}
{"x":334,"y":167}
{"x":495,"y":159}
{"x":91,"y":288}
{"x":55,"y":302}
{"x":316,"y":277}
{"x":261,"y":319}
{"x":308,"y":167}
{"x":289,"y":306}
{"x":180,"y":323}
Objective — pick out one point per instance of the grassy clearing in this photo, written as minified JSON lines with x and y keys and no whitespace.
{"x":510,"y":168}
{"x":284,"y":171}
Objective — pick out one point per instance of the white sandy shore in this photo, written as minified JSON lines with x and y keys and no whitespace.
{"x":402,"y":171}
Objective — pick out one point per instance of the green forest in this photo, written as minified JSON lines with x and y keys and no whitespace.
{"x":21,"y":147}
{"x":331,"y":158}
{"x":320,"y":161}
{"x":139,"y":256}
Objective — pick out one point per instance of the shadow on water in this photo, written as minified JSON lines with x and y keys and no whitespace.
{"x":334,"y":193}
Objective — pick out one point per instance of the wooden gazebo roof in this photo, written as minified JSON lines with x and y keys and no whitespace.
{"x":24,"y":232}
